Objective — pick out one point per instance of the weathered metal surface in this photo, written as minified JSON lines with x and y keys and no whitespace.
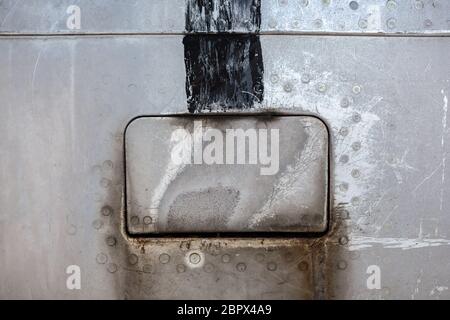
{"x":65,"y":102}
{"x":360,"y":17}
{"x":287,"y":16}
{"x":232,"y":174}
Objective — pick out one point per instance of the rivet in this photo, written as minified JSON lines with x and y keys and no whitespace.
{"x":344,"y":214}
{"x":287,"y":87}
{"x":147,"y":220}
{"x":342,"y":265}
{"x":318,"y":23}
{"x":101,"y":258}
{"x":195,"y":258}
{"x":226,"y":258}
{"x":112,"y":267}
{"x":343,"y":240}
{"x":306,"y":78}
{"x":391,"y":4}
{"x":419,"y":4}
{"x":181,"y":268}
{"x":111,"y":241}
{"x":428,"y":23}
{"x":344,"y":158}
{"x":272,"y":266}
{"x":164,"y":258}
{"x":274,"y":78}
{"x":356,"y":145}
{"x":321,"y":87}
{"x":356,"y":173}
{"x":356,"y":117}
{"x":355,"y":201}
{"x":258,"y":88}
{"x":363,"y":23}
{"x":391,"y":23}
{"x":133,"y":259}
{"x":106,"y":211}
{"x":108,"y":165}
{"x":343,"y":131}
{"x":295,"y":23}
{"x":356,"y":89}
{"x":345,"y":102}
{"x":353,"y":5}
{"x":241,"y":267}
{"x":222,"y":24}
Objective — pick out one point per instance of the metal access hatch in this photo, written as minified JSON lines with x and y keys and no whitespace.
{"x":228,"y":174}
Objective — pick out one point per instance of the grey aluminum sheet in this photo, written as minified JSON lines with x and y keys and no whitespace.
{"x":66,"y":102}
{"x":388,"y":17}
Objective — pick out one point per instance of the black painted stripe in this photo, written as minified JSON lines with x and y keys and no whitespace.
{"x":223,"y":16}
{"x":223,"y":70}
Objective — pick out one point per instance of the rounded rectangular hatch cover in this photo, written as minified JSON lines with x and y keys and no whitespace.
{"x":226,"y":174}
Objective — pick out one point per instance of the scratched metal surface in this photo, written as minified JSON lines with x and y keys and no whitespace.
{"x":65,"y":102}
{"x":158,"y":16}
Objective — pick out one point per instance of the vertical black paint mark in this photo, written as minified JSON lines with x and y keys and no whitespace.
{"x":223,"y":70}
{"x":223,"y":16}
